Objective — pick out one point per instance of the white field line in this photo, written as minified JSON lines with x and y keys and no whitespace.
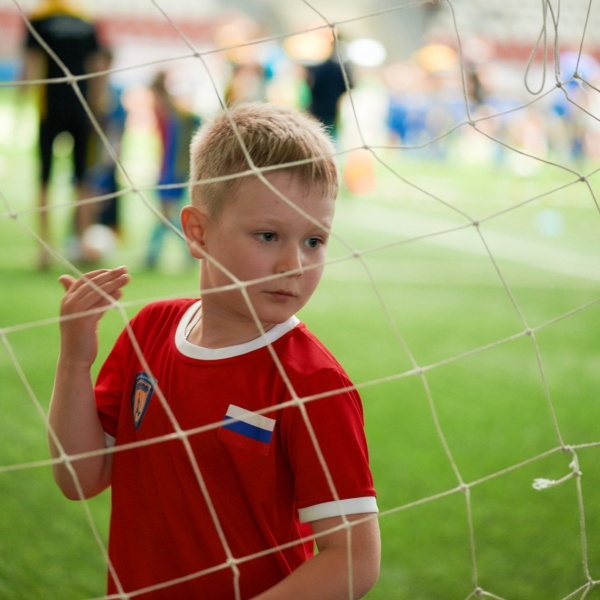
{"x":405,"y":225}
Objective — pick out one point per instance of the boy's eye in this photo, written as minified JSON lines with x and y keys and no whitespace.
{"x":314,"y":242}
{"x":267,"y":236}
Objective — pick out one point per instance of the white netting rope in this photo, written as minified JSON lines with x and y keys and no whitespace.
{"x":550,"y":19}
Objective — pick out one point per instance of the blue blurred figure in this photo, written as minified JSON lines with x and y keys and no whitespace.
{"x":176,"y":127}
{"x":101,"y":175}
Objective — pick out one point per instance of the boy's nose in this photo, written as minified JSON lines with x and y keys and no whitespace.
{"x":290,"y":260}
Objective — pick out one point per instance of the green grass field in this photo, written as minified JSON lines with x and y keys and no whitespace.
{"x":471,"y":369}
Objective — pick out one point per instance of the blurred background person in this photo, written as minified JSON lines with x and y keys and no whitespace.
{"x":327,"y":81}
{"x":101,"y":174}
{"x":72,"y":37}
{"x":247,"y":74}
{"x":176,"y":126}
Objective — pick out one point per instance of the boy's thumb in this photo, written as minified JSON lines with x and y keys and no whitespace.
{"x":67,"y":281}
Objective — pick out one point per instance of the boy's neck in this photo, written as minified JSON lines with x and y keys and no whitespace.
{"x":209,"y":330}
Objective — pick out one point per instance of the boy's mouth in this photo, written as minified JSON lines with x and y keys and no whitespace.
{"x":282,"y":294}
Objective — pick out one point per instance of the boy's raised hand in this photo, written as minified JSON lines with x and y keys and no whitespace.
{"x":86,"y":299}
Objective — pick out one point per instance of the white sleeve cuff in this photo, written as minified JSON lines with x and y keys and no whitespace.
{"x":337,"y":508}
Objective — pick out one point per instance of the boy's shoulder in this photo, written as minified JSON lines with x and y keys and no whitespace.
{"x":164,"y":310}
{"x":305,"y":352}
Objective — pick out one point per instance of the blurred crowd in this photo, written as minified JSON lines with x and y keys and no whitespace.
{"x":435,"y":105}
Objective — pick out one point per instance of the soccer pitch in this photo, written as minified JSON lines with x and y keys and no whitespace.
{"x":475,"y":348}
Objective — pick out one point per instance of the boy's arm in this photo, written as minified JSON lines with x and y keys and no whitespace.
{"x":73,"y":422}
{"x":326,"y":576}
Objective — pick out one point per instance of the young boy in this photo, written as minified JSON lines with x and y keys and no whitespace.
{"x":238,"y":439}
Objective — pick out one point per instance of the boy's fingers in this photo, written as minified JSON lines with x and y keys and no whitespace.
{"x":67,"y":281}
{"x":98,"y":277}
{"x":109,"y":280}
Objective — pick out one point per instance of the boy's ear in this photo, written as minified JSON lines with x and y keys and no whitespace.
{"x":193,"y":223}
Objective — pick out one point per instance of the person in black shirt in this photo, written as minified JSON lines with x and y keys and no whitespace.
{"x":327,"y":85}
{"x":72,"y":45}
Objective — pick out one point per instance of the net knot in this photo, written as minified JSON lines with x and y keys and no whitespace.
{"x":541,"y":483}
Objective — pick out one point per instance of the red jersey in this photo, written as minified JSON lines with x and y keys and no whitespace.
{"x":241,"y":447}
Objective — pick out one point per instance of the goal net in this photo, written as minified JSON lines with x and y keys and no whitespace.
{"x":461,"y":290}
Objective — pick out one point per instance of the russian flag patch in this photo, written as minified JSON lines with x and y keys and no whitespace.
{"x":247,"y":430}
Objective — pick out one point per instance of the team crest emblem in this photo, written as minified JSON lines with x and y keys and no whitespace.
{"x":140,"y":398}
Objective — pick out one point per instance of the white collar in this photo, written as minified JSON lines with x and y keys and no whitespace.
{"x":199,"y":352}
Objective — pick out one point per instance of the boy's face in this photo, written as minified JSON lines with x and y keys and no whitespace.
{"x":259,"y":235}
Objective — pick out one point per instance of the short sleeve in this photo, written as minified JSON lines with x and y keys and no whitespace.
{"x":327,"y":448}
{"x":111,"y":382}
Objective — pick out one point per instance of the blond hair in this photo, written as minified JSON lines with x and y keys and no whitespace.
{"x":272,"y":135}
